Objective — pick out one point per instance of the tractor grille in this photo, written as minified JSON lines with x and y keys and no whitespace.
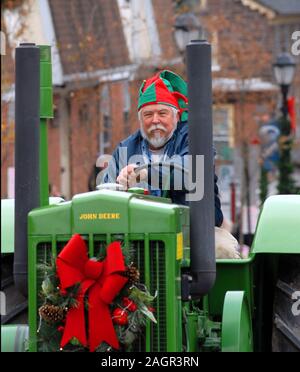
{"x":158,"y":283}
{"x":154,"y":337}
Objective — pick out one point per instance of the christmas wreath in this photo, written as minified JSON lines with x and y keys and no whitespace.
{"x":95,"y":304}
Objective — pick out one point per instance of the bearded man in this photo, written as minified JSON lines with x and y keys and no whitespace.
{"x":163,"y":135}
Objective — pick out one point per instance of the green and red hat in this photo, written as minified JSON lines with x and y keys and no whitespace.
{"x":165,"y":88}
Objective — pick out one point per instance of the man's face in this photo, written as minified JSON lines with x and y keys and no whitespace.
{"x":158,"y":123}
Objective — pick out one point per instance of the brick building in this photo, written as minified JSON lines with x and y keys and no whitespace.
{"x":103,"y":49}
{"x":248,"y":36}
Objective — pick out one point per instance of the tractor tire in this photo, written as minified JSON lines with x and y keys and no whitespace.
{"x":15,"y":305}
{"x":286,"y":309}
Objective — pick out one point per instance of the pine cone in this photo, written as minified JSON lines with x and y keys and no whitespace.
{"x":52,"y":313}
{"x":132,"y":274}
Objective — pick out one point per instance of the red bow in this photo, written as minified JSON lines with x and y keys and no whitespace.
{"x":103,"y":282}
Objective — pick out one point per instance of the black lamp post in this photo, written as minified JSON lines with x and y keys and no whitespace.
{"x":187,"y":27}
{"x":284,"y":70}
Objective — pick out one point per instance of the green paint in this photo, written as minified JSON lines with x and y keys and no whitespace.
{"x":278,"y":228}
{"x":46,"y":112}
{"x":236,"y":324}
{"x":7,"y":225}
{"x":150,"y":227}
{"x":33,"y":293}
{"x":46,"y":94}
{"x":108,"y":216}
{"x":232,"y":275}
{"x":44,"y":179}
{"x":110,"y":212}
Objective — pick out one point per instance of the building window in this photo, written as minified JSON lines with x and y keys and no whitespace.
{"x":105,"y":137}
{"x":223,"y":132}
{"x":106,"y":131}
{"x":214,"y":39}
{"x":140,"y":30}
{"x":126,"y":107}
{"x":224,"y":161}
{"x":84,"y":114}
{"x":126,"y":123}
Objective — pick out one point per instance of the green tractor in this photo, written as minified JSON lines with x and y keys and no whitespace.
{"x":202,"y":304}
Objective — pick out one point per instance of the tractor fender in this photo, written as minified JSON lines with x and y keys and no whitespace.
{"x":278,"y":229}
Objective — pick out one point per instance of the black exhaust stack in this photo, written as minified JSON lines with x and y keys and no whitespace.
{"x":27,"y":118}
{"x":202,"y":216}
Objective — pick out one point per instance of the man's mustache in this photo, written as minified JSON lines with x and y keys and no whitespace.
{"x":155,"y":127}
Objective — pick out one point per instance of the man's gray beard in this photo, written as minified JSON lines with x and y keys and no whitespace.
{"x":156,"y":142}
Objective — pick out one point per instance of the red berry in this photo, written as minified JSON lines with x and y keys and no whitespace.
{"x":129,"y":304}
{"x":120,"y":316}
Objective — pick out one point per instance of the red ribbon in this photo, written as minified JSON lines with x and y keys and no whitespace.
{"x":102,"y":281}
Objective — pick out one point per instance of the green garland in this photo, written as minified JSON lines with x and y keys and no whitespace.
{"x":132,"y":306}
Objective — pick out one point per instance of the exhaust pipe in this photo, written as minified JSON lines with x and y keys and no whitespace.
{"x":202,"y":216}
{"x":27,"y":116}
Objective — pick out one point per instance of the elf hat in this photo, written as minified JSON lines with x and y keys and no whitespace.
{"x":165,"y":88}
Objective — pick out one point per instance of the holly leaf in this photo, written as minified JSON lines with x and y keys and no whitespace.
{"x":141,"y":296}
{"x":47,"y":287}
{"x":144,"y":309}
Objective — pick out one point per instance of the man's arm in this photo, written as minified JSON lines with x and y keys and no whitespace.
{"x":177,"y":196}
{"x":218,"y":210}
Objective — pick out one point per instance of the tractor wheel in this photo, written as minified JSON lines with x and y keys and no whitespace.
{"x":236,"y":323}
{"x":286,"y":309}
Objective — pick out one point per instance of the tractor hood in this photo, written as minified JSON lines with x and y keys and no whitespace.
{"x":108,"y":211}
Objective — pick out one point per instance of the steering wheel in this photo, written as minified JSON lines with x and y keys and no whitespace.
{"x":137,"y":170}
{"x":160,"y":164}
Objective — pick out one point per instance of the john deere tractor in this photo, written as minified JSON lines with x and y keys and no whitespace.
{"x":202,"y":304}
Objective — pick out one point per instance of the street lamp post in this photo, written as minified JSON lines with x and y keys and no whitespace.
{"x":187,"y":27}
{"x":284,"y":70}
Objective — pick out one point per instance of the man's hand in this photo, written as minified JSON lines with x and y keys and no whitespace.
{"x":128,"y":178}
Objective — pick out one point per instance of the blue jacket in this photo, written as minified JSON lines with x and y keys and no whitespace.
{"x":136,"y":149}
